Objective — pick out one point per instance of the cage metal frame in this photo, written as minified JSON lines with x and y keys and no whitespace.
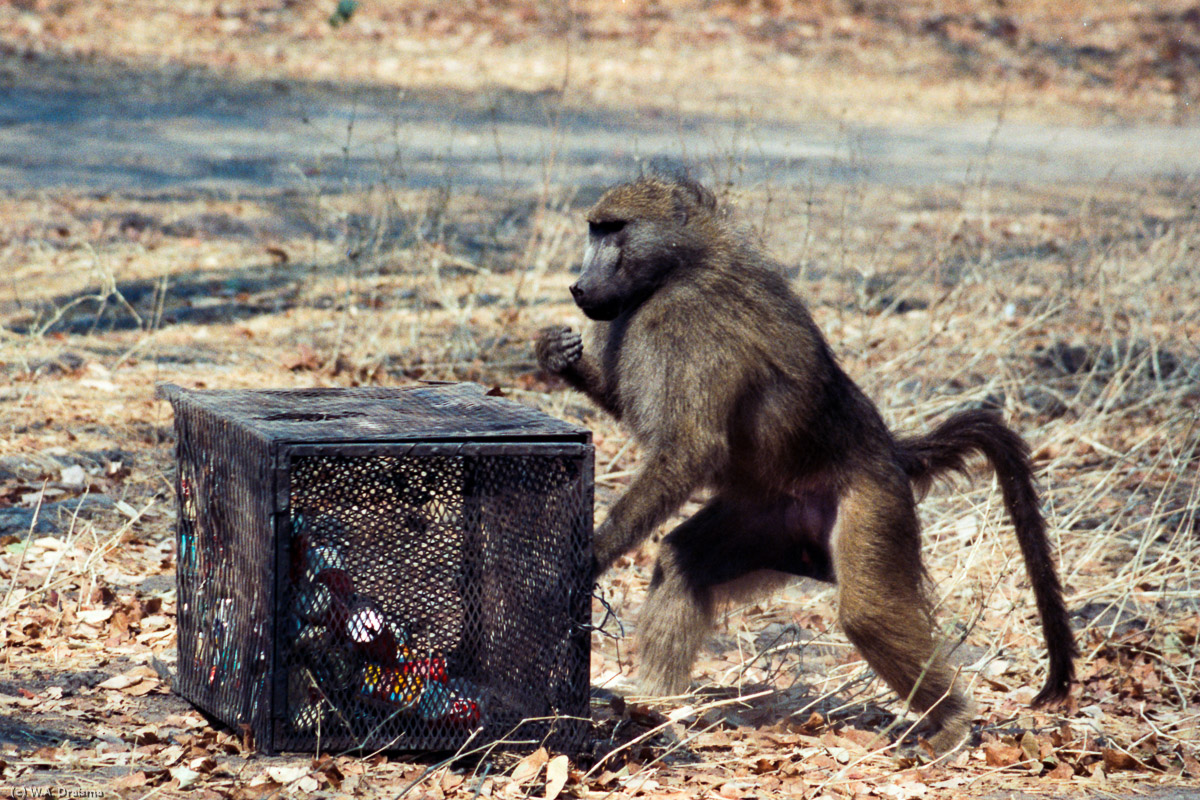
{"x":269,"y":430}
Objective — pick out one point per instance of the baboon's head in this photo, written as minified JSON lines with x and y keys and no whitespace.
{"x":638,"y":234}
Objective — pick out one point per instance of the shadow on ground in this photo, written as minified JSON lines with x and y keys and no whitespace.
{"x":107,"y":127}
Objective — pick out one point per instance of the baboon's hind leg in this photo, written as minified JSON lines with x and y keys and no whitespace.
{"x":883,"y":609}
{"x":678,"y":614}
{"x":730,"y":548}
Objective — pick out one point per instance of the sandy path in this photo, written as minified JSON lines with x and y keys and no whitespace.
{"x":256,"y":138}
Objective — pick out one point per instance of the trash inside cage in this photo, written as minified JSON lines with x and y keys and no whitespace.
{"x":404,"y":569}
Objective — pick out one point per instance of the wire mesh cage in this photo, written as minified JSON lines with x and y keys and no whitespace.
{"x":403,"y":569}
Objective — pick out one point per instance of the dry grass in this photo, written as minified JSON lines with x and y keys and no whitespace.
{"x":865,"y":62}
{"x":1077,"y":319}
{"x":1071,"y":308}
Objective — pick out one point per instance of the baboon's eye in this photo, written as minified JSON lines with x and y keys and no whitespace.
{"x":606,"y":227}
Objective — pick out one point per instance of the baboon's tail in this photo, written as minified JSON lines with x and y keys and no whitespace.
{"x":927,"y":457}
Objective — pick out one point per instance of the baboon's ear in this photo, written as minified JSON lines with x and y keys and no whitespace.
{"x":705,"y":197}
{"x":689,"y":194}
{"x":681,"y":205}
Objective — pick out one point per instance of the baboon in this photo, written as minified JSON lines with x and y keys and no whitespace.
{"x":703,"y":350}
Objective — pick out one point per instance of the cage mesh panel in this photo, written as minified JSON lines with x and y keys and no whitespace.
{"x":413,"y":580}
{"x":225,"y":557}
{"x":471,"y":564}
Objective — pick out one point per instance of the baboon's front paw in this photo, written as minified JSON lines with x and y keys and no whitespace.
{"x":604,"y":549}
{"x":558,"y":349}
{"x":949,"y":736}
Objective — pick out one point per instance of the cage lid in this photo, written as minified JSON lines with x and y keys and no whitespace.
{"x":438,"y":412}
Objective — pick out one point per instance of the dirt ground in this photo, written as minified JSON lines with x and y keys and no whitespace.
{"x":985,"y":204}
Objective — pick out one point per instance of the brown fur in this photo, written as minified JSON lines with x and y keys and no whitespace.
{"x":703,"y":350}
